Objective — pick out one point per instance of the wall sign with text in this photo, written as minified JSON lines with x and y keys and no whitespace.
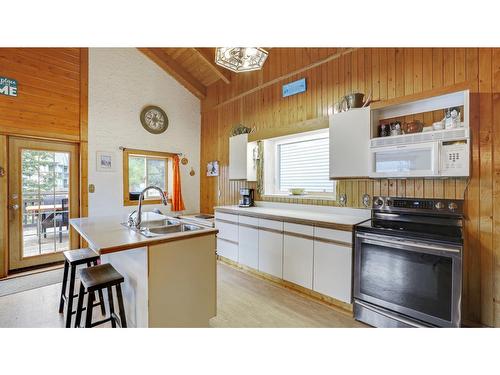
{"x":8,"y":86}
{"x":295,"y":87}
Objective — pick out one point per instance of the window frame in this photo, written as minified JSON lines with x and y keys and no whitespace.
{"x":167,"y":156}
{"x":272,"y":165}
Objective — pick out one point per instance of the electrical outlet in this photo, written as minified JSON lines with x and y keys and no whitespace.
{"x":343,"y":200}
{"x":366,"y":200}
{"x":91,"y":188}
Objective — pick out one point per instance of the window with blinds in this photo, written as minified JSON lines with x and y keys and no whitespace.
{"x":304,"y":164}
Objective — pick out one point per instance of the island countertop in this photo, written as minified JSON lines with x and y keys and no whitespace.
{"x":300,"y":216}
{"x":107,"y":234}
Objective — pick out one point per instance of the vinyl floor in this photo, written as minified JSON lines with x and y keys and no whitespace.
{"x":243,"y":301}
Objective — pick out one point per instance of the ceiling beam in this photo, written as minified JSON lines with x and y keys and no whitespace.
{"x":208,"y":55}
{"x":172,"y":67}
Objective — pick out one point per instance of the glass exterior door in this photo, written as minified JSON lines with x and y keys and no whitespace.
{"x":44,"y":197}
{"x":41,"y":190}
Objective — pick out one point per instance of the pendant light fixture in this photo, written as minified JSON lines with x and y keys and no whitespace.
{"x":240,"y":59}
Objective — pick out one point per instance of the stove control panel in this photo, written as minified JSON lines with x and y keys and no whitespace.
{"x":397,"y":204}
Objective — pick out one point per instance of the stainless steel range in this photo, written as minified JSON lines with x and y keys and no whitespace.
{"x":408,"y":263}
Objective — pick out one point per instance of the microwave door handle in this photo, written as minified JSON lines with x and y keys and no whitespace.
{"x":436,"y":149}
{"x":383,"y":242}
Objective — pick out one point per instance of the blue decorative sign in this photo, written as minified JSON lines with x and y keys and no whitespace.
{"x":295,"y":87}
{"x":8,"y":86}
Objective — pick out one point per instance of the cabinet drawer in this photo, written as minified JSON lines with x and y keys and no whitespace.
{"x":248,"y":220}
{"x":271,"y":224}
{"x":223,"y":216}
{"x":227,"y":249}
{"x":227,"y":231}
{"x":333,"y":235}
{"x":306,"y":230}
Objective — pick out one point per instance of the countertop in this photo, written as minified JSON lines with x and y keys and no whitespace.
{"x":107,"y":234}
{"x":321,"y":219}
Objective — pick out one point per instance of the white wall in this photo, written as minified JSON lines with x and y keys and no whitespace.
{"x":121,"y":82}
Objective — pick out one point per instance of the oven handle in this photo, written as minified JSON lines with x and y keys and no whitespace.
{"x":379,"y":240}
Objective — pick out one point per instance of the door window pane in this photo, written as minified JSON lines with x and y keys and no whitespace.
{"x":45,"y":201}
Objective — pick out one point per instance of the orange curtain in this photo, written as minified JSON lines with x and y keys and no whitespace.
{"x":177,"y":202}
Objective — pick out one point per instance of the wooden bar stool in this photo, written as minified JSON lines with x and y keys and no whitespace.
{"x":72,"y":259}
{"x":96,"y":279}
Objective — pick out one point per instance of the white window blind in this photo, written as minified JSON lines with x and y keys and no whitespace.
{"x":305,"y":164}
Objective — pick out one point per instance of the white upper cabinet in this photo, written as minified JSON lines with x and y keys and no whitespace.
{"x":238,"y":157}
{"x":350,"y":143}
{"x":252,"y":157}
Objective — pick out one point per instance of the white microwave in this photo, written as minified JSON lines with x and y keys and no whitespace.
{"x":445,"y":157}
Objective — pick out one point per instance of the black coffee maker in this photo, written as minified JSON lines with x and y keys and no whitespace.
{"x":246,"y":197}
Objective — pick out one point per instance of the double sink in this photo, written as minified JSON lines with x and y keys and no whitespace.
{"x":162,"y":227}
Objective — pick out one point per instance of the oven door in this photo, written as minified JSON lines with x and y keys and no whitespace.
{"x":412,"y":160}
{"x":419,"y":279}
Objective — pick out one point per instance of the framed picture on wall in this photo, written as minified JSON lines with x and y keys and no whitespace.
{"x":213,"y":168}
{"x":105,"y":161}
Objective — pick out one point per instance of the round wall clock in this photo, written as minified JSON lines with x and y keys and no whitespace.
{"x":154,"y":119}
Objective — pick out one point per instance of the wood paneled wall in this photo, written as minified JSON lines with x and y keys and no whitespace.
{"x":254,"y":99}
{"x":51,"y":104}
{"x":48,"y":101}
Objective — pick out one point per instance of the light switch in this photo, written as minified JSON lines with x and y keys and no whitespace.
{"x":91,"y":188}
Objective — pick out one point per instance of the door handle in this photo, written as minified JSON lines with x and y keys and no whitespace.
{"x":14,"y":206}
{"x":377,"y":240}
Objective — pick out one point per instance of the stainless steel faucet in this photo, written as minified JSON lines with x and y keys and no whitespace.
{"x":137,"y":221}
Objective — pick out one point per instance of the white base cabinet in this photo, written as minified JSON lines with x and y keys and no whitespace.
{"x":313,"y":257}
{"x":227,"y":238}
{"x":271,"y":253}
{"x":333,"y":270}
{"x":298,"y":255}
{"x":248,"y":252}
{"x":227,"y":249}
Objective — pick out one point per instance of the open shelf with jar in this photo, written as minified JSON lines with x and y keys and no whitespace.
{"x":423,"y":135}
{"x":426,"y":113}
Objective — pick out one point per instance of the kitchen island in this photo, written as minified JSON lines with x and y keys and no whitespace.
{"x":170,"y":278}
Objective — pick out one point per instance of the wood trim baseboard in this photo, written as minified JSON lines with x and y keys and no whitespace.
{"x":277,"y":231}
{"x":84,"y":146}
{"x":342,"y":307}
{"x":298,"y":235}
{"x":229,"y":241}
{"x":333,"y":242}
{"x":4,"y":227}
{"x":227,"y":221}
{"x":248,"y":226}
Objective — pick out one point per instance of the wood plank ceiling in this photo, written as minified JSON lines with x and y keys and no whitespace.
{"x":194,"y":68}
